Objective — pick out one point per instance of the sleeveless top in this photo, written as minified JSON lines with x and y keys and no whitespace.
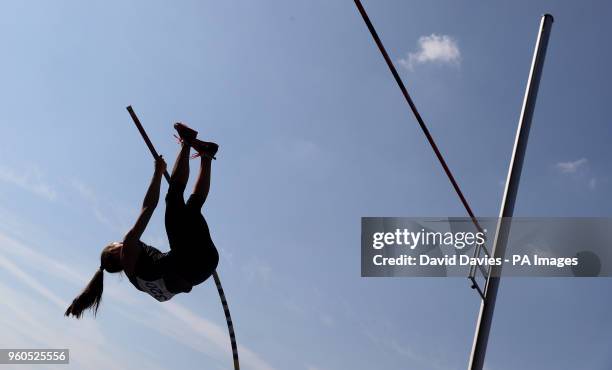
{"x":156,"y":274}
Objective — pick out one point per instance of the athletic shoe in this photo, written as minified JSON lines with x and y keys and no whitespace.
{"x":186,"y":134}
{"x":204,"y":148}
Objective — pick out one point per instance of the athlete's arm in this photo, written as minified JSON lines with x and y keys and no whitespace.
{"x":130,"y":250}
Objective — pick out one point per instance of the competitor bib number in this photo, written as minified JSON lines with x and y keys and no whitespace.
{"x":156,"y":289}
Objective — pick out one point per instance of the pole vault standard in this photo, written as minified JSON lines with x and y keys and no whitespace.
{"x":228,"y":316}
{"x":487,"y":305}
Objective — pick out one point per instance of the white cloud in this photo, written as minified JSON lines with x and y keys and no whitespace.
{"x":36,"y":261}
{"x":198,"y":327}
{"x":90,"y":197}
{"x":579,"y":171}
{"x":378,"y":334}
{"x":29,"y":321}
{"x":442,"y":49}
{"x":11,"y":246}
{"x":300,"y":150}
{"x":257,"y":271}
{"x":31,"y":282}
{"x":571,"y":167}
{"x":184,"y":326}
{"x":111,"y":215}
{"x":30,"y":179}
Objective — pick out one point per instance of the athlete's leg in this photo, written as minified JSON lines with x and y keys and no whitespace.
{"x":198,"y":227}
{"x":175,"y":202}
{"x":203,"y":254}
{"x":180,"y":172}
{"x":202,"y":185}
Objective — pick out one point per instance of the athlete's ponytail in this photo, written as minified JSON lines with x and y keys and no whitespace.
{"x":90,"y":297}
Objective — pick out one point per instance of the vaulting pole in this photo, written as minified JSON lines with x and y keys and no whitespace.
{"x":228,"y":316}
{"x":487,"y":306}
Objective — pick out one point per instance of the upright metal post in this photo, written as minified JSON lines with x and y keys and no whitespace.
{"x":487,"y":306}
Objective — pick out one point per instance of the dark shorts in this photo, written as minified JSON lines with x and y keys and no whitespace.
{"x":190,"y":243}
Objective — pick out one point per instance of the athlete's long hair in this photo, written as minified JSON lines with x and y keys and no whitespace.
{"x":91,"y":296}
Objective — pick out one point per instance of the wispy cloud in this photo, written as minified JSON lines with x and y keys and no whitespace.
{"x":39,"y":262}
{"x":26,"y":321}
{"x":31,"y":282}
{"x":318,"y":306}
{"x":430,"y":361}
{"x":12,"y":247}
{"x":181,"y":324}
{"x":441,"y":49}
{"x":202,"y":328}
{"x":110,"y":215}
{"x":88,"y":194}
{"x":572,"y":166}
{"x":579,"y":170}
{"x":300,"y":150}
{"x":29,"y":178}
{"x":257,"y":271}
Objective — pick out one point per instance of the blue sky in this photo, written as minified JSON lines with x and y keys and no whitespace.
{"x":314,"y":134}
